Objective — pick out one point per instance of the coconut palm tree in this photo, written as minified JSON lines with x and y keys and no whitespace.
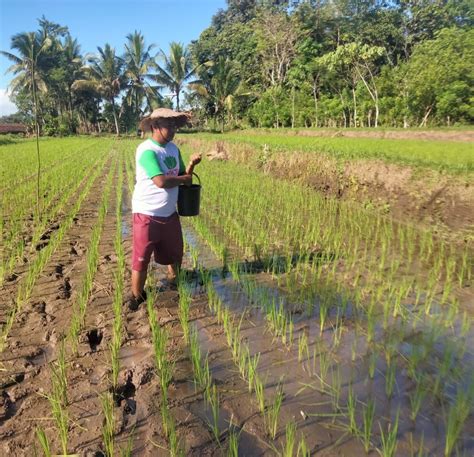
{"x":177,"y":68}
{"x":30,"y":47}
{"x":138,"y":63}
{"x":72,"y":64}
{"x":220,"y":86}
{"x":105,"y":71}
{"x":27,"y":66}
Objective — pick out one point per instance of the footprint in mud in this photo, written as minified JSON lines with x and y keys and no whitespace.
{"x":11,"y":277}
{"x":12,"y":380}
{"x":130,"y":406}
{"x":39,"y":307}
{"x":64,"y":290}
{"x":125,"y":391}
{"x":104,"y":264}
{"x":7,"y":407}
{"x":76,"y":249}
{"x":91,"y":453}
{"x":110,"y":258}
{"x":45,"y":236}
{"x":94,"y":338}
{"x":42,"y":245}
{"x":58,"y":271}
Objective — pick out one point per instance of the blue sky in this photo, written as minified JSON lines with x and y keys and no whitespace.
{"x":96,"y":22}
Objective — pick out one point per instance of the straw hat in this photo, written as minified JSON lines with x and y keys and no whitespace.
{"x":180,"y":118}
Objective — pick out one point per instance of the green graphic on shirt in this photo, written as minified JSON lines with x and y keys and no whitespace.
{"x":170,"y":162}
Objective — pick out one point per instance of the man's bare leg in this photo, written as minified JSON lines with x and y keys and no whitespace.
{"x":138,"y":282}
{"x":173,"y":271}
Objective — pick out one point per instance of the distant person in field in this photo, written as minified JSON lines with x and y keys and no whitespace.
{"x":156,"y":227}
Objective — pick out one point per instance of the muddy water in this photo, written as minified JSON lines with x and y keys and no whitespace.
{"x":310,"y":386}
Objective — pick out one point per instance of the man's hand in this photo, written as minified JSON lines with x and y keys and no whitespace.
{"x":187,"y":179}
{"x":195,"y":159}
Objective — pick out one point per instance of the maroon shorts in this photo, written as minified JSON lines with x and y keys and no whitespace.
{"x":160,"y":235}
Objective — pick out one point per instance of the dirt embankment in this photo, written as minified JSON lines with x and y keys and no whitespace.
{"x":400,"y":134}
{"x":426,"y":197}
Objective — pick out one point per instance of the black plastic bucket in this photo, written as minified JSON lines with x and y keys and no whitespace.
{"x":189,"y":198}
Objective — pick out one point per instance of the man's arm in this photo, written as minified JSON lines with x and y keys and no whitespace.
{"x":195,"y":159}
{"x":155,"y":173}
{"x":166,"y":182}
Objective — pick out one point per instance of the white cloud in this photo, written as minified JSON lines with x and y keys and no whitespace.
{"x":6,"y":106}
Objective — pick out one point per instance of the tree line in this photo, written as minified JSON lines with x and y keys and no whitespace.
{"x":262,"y":63}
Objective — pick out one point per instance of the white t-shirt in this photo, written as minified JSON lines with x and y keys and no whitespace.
{"x":148,"y":198}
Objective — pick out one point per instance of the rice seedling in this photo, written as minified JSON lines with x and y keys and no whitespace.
{"x":303,"y":450}
{"x":194,"y":253}
{"x":290,"y":440}
{"x":456,"y":416}
{"x":260,"y":394}
{"x":444,"y":367}
{"x":127,"y":451}
{"x":252,"y":363}
{"x":233,"y":443}
{"x":420,"y":451}
{"x":323,"y":314}
{"x":43,"y":440}
{"x":390,"y":378}
{"x":464,"y":272}
{"x":108,"y":426}
{"x":354,"y":350}
{"x":389,"y":439}
{"x":116,"y":341}
{"x":273,"y":412}
{"x":351,"y":411}
{"x":418,"y":395}
{"x":368,"y":413}
{"x":202,"y":377}
{"x":59,"y":374}
{"x":159,"y":337}
{"x":287,"y":336}
{"x":184,"y":303}
{"x":213,"y":401}
{"x":303,"y":349}
{"x":336,"y":387}
{"x":465,"y":325}
{"x":175,"y":446}
{"x":324,"y":361}
{"x":58,"y":398}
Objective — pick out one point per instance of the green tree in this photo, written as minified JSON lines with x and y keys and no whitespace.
{"x":26,"y":67}
{"x":439,"y":78}
{"x":138,"y":64}
{"x":220,"y":86}
{"x":105,"y":71}
{"x":177,"y":68}
{"x":30,"y":47}
{"x":357,"y":62}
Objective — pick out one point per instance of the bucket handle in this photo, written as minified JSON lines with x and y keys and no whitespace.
{"x":199,"y":179}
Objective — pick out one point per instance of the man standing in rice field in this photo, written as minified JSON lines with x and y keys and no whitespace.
{"x":156,"y":227}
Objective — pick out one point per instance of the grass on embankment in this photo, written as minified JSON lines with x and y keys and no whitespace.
{"x":452,"y":157}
